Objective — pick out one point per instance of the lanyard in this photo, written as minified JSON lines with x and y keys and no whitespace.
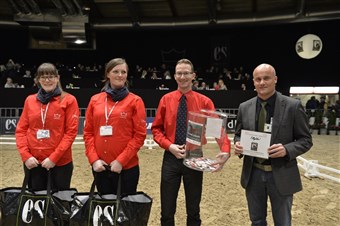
{"x":43,"y":114}
{"x":108,"y":115}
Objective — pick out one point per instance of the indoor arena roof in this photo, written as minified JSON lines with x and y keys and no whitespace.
{"x":73,"y":17}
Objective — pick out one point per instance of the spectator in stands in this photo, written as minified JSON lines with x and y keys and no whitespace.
{"x":235,"y":74}
{"x":10,"y":65}
{"x":2,"y":68}
{"x":216,"y":86}
{"x":12,"y":69}
{"x":203,"y":86}
{"x":10,"y":84}
{"x":114,"y":132}
{"x":163,"y":69}
{"x":243,"y":87}
{"x":337,"y":108}
{"x":164,"y":133}
{"x":46,"y":130}
{"x":195,"y":84}
{"x":167,"y":75}
{"x":138,"y":71}
{"x":247,"y":80}
{"x":323,"y":103}
{"x":227,"y":74}
{"x":323,"y":106}
{"x":27,"y":80}
{"x":221,"y":85}
{"x":144,"y":74}
{"x":312,"y":103}
{"x":278,"y":176}
{"x":27,"y":74}
{"x":154,"y":75}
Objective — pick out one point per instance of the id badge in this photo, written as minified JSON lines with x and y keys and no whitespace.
{"x":267,"y":128}
{"x":105,"y":131}
{"x":43,"y":134}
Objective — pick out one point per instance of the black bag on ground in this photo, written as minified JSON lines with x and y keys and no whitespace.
{"x":92,"y":209}
{"x":20,"y":207}
{"x":137,"y":208}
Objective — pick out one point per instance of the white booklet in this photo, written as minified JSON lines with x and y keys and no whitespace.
{"x":255,"y":143}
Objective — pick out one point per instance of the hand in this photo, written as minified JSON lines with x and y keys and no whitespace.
{"x":31,"y":163}
{"x":277,"y":151}
{"x":221,"y":159}
{"x":177,"y":150}
{"x":99,"y":165}
{"x":238,"y":148}
{"x":116,"y":166}
{"x":47,"y":164}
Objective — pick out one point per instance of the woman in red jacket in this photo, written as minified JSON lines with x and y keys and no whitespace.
{"x":114,"y":131}
{"x":46,"y":130}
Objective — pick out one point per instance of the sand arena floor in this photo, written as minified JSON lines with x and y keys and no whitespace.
{"x":223,"y":201}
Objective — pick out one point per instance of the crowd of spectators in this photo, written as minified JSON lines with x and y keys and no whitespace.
{"x":323,"y":113}
{"x":19,"y":75}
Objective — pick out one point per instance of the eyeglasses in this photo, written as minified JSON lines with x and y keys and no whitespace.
{"x":47,"y":77}
{"x":185,"y":74}
{"x":116,"y":72}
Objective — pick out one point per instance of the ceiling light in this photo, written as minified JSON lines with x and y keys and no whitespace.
{"x":79,"y":41}
{"x":315,"y":90}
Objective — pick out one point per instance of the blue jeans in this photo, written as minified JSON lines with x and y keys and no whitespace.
{"x":262,"y":185}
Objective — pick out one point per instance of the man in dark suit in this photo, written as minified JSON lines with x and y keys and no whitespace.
{"x":278,"y":176}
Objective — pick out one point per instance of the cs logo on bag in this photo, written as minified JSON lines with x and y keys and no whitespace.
{"x":101,"y":215}
{"x":31,"y":209}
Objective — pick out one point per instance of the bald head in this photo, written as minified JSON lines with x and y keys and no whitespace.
{"x":264,"y":77}
{"x":265,"y":68}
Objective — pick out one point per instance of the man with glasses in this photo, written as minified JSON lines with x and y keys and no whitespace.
{"x":165,"y":129}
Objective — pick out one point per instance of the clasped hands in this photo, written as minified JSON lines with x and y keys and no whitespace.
{"x":32,"y":162}
{"x":100,"y":165}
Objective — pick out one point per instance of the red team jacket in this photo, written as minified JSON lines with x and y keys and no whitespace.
{"x":62,"y":122}
{"x":128,"y":121}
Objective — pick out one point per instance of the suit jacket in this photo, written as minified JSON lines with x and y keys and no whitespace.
{"x":290,"y":128}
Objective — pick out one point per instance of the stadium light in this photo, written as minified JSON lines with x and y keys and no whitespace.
{"x":314,"y":90}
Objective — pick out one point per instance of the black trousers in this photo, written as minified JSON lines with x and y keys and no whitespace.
{"x":107,"y":181}
{"x":60,"y":177}
{"x":173,"y":170}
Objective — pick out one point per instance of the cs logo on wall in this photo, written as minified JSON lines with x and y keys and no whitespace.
{"x":8,"y":125}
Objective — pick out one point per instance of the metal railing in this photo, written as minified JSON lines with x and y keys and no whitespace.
{"x":150,"y":112}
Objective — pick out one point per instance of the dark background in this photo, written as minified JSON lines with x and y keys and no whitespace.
{"x":248,"y":47}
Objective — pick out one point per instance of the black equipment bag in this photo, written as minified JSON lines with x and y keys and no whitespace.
{"x":21,"y":207}
{"x":93,"y":209}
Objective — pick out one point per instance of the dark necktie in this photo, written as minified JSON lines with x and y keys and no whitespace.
{"x":261,"y":122}
{"x":262,"y":117}
{"x":181,"y":121}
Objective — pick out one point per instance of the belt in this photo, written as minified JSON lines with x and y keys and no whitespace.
{"x":267,"y":168}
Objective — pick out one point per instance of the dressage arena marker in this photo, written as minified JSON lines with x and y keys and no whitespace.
{"x":312,"y":169}
{"x":150,"y":143}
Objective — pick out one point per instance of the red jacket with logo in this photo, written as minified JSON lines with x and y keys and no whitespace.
{"x":128,"y":121}
{"x":62,"y":122}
